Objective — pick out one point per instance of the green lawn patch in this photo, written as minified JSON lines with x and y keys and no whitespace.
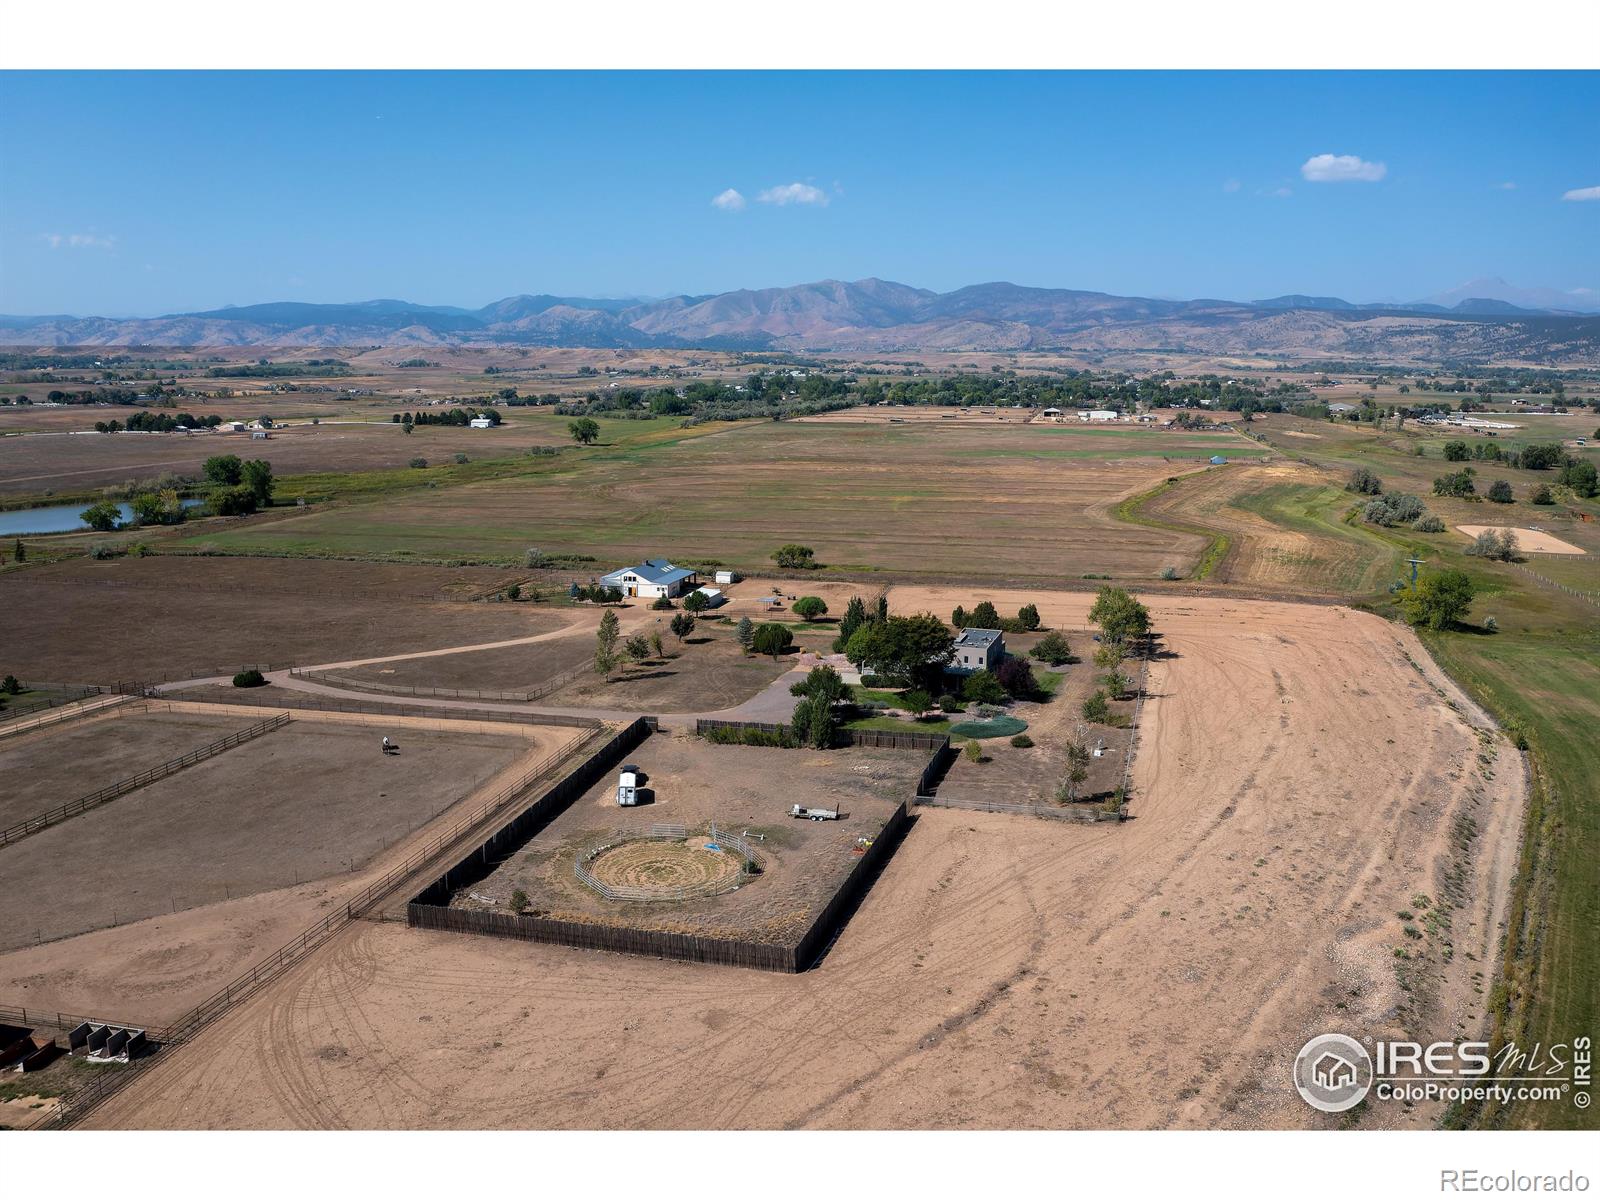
{"x":994,"y":727}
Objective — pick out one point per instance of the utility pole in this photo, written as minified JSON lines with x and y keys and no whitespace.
{"x":1415,"y":563}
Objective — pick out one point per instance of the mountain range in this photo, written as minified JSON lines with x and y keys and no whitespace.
{"x":1478,"y":322}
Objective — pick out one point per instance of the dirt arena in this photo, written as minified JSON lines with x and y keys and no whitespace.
{"x":1300,"y":773}
{"x":198,"y":901}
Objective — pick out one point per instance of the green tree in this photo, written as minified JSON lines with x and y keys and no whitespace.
{"x":794,"y":557}
{"x":1364,"y":483}
{"x":816,"y":717}
{"x":101,"y":516}
{"x":1457,"y":452}
{"x":1438,"y":601}
{"x":1077,"y":772}
{"x":745,"y":633}
{"x":1095,"y":708}
{"x":696,"y":601}
{"x":1500,"y":492}
{"x":984,"y":616}
{"x":637,"y":648}
{"x":1119,"y":615}
{"x":225,"y":469}
{"x":809,"y":608}
{"x":916,"y":701}
{"x":656,"y":648}
{"x":1052,"y":649}
{"x":1542,"y":495}
{"x":257,"y":476}
{"x":1582,"y":477}
{"x":584,"y":431}
{"x":855,"y":616}
{"x":605,"y":647}
{"x":913,"y":651}
{"x":682,"y":625}
{"x":1028,"y":617}
{"x":772,"y":638}
{"x":20,"y":552}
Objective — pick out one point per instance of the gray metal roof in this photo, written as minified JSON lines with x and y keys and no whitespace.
{"x":978,"y":637}
{"x":653,"y":570}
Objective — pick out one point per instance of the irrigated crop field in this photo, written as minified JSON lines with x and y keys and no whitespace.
{"x":1025,"y":502}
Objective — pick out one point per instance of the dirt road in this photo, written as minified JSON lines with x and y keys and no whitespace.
{"x":1301,"y":771}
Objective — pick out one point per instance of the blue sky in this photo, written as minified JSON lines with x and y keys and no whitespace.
{"x":127,"y":193}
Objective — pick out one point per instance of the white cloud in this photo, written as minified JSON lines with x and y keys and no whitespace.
{"x":1507,"y":186}
{"x":1342,"y":168}
{"x":729,"y":200}
{"x":78,"y":241}
{"x":1231,"y":185}
{"x":1583,"y":194}
{"x":793,"y":193}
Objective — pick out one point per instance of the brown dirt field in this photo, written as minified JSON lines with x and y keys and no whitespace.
{"x":298,"y":804}
{"x":1529,"y":541}
{"x":224,"y":612}
{"x":62,"y":762}
{"x":38,"y":463}
{"x":1002,"y":972}
{"x":693,"y":783}
{"x":705,"y":672}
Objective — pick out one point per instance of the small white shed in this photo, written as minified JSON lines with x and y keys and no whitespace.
{"x":725,"y":577}
{"x":481,"y":423}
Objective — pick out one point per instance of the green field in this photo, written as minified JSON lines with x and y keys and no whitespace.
{"x":927,"y":501}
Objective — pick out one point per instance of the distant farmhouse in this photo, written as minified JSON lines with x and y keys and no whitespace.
{"x":978,"y":650}
{"x":652,"y":578}
{"x":1099,"y":414}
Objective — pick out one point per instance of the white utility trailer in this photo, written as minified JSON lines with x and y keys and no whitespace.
{"x":802,"y":813}
{"x":628,"y":787}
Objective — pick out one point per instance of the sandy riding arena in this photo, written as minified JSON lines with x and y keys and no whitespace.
{"x":1322,"y":837}
{"x":1529,"y":541}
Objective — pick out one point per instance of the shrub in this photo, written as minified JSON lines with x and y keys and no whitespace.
{"x":1542,"y":495}
{"x":514,"y":592}
{"x":461,"y":459}
{"x":1016,"y":676}
{"x":1169,"y":573}
{"x":1429,"y":524}
{"x":875,"y":681}
{"x":11,"y":686}
{"x":661,"y":604}
{"x":233,"y":501}
{"x":1398,"y":508}
{"x":1457,"y":451}
{"x":772,"y":638}
{"x":1498,"y":544}
{"x":1491,"y":625}
{"x":250,"y":678}
{"x":974,"y":752}
{"x":1052,"y":649}
{"x":916,"y":701}
{"x":1457,"y":483}
{"x":809,"y":608}
{"x":101,"y":516}
{"x":1364,"y":483}
{"x":1096,"y":709}
{"x":951,"y":704}
{"x":782,"y":739}
{"x":102,"y":551}
{"x":1500,"y":492}
{"x":1438,"y":601}
{"x":519,"y":901}
{"x":418,"y":463}
{"x":1022,"y":741}
{"x":139,"y":550}
{"x":983,"y":688}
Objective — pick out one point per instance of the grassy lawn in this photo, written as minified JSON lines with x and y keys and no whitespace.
{"x":895,"y":725}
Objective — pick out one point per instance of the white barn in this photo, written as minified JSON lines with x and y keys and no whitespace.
{"x":653,"y":578}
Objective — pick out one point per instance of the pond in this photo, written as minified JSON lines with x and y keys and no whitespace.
{"x":58,"y":518}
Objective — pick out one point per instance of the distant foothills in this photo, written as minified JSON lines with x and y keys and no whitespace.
{"x":1483,"y":321}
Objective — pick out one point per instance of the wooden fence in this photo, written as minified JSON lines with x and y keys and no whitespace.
{"x":1081,"y":813}
{"x":122,"y":787}
{"x":314,"y":703}
{"x":60,"y":716}
{"x":544,"y":688}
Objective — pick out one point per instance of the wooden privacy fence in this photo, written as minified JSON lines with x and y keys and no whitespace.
{"x":653,"y":943}
{"x":882,"y":738}
{"x":122,"y":787}
{"x":102,"y":1084}
{"x":480,"y":862}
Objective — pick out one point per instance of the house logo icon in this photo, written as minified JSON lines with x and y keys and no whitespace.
{"x":1333,"y":1072}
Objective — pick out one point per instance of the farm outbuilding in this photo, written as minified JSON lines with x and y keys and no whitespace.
{"x":1099,"y":414}
{"x":725,"y":577}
